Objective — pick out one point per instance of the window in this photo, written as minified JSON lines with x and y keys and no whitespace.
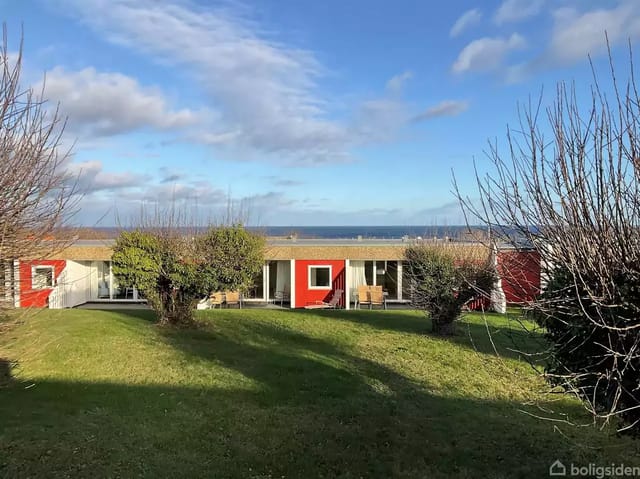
{"x":100,"y":280}
{"x":407,"y":283}
{"x":319,"y":277}
{"x":42,"y":277}
{"x":256,"y":290}
{"x":6,"y":281}
{"x":387,"y":277}
{"x":368,"y":271}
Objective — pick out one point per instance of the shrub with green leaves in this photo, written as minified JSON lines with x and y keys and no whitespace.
{"x":442,"y":285}
{"x":137,"y":259}
{"x":174,"y":272}
{"x":231,"y":256}
{"x":579,"y":357}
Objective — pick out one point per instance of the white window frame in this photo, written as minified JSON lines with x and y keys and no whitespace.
{"x":317,"y":266}
{"x":33,"y":276}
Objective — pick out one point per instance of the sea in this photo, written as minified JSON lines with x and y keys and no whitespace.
{"x":348,"y":232}
{"x":372,"y":232}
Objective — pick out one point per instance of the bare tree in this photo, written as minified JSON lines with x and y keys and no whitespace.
{"x":36,"y":196}
{"x":575,"y":196}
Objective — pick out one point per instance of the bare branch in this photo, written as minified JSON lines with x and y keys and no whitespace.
{"x":576,"y":198}
{"x":37,"y":197}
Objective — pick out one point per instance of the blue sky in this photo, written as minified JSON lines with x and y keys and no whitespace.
{"x":305,"y":113}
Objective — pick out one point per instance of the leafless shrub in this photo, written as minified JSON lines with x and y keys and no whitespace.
{"x":576,"y":196}
{"x":37,"y":198}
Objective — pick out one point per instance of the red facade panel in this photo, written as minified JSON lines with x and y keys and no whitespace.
{"x":479,"y":304}
{"x":304,"y":295}
{"x":520,"y":273}
{"x":37,"y":298}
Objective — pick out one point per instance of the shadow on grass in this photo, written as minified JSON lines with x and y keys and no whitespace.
{"x":75,"y":429}
{"x":508,"y":338}
{"x":147,"y":315}
{"x":399,"y":321}
{"x":299,"y":407}
{"x":6,"y":376}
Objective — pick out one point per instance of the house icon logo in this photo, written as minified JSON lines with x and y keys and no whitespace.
{"x":557,"y":469}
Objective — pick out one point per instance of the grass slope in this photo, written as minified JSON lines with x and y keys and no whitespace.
{"x":263,"y":393}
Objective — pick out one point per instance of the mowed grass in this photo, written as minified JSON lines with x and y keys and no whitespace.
{"x":271,"y":394}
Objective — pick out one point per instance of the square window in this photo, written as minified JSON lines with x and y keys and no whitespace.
{"x":319,"y":277}
{"x":42,"y":277}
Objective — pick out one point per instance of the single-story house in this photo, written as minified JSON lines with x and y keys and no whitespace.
{"x":296,"y":273}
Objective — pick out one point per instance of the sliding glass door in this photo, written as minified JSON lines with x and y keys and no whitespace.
{"x":103,"y":285}
{"x":279,"y":287}
{"x":99,"y":279}
{"x":379,"y":273}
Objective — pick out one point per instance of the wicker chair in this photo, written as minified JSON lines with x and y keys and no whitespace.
{"x":363,"y":295}
{"x":216,"y":299}
{"x":376,"y":297}
{"x":232,"y":298}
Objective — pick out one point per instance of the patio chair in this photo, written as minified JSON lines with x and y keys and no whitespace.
{"x":376,"y":297}
{"x":281,"y":296}
{"x":332,"y":304}
{"x":363,"y":295}
{"x":216,"y":299}
{"x":103,"y":290}
{"x":232,"y":298}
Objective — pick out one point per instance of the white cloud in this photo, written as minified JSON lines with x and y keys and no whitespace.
{"x":267,"y":92}
{"x":199,"y":193}
{"x":90,"y":178}
{"x":486,"y":54}
{"x":446,"y":209}
{"x":268,"y":104}
{"x":466,"y":20}
{"x":284,"y":182}
{"x":103,"y":104}
{"x":215,"y":138}
{"x":517,"y":10}
{"x":444,"y":108}
{"x":196,"y":202}
{"x":379,"y":119}
{"x":170,"y":175}
{"x":396,"y":83}
{"x":575,"y":34}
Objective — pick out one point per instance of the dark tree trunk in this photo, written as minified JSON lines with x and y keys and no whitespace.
{"x":443,"y":326}
{"x":5,"y":372}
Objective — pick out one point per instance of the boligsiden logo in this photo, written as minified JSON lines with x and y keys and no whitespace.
{"x":559,"y":469}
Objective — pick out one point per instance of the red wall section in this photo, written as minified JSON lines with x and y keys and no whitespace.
{"x":30,"y":298}
{"x":479,"y":304}
{"x":520,"y":273}
{"x":304,"y":295}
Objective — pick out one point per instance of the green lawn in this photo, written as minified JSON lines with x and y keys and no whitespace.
{"x":271,"y":394}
